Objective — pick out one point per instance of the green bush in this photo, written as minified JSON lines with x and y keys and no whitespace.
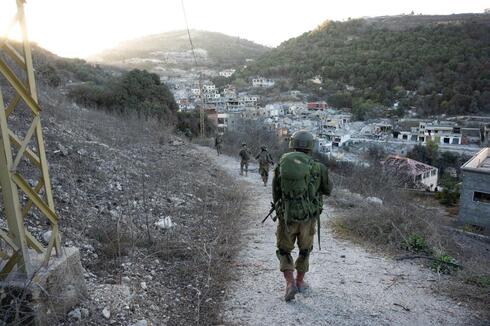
{"x":415,"y":243}
{"x":135,"y":91}
{"x":444,"y":263}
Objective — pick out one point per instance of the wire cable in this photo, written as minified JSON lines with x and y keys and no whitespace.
{"x":189,"y":33}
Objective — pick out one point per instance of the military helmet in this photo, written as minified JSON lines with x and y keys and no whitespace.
{"x":264,"y":148}
{"x":302,"y":139}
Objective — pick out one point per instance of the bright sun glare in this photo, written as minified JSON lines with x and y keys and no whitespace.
{"x":81,"y":28}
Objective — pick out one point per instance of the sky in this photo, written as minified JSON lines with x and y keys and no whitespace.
{"x":80,"y":28}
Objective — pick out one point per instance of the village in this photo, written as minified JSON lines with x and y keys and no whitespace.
{"x":338,"y":135}
{"x":334,"y":127}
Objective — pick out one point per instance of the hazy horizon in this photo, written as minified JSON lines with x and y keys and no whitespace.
{"x":91,"y":26}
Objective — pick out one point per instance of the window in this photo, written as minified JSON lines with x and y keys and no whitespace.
{"x":481,"y":197}
{"x":446,"y":140}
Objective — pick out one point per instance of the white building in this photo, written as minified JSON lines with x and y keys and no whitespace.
{"x":317,"y":80}
{"x":227,"y":73}
{"x":209,"y":88}
{"x":440,"y":133}
{"x":262,"y":82}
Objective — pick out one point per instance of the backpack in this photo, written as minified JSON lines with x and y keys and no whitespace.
{"x":300,"y":178}
{"x":244,"y":155}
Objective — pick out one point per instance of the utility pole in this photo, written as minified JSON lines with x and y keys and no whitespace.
{"x":22,"y":156}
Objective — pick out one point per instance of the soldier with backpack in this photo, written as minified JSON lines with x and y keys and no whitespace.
{"x":265,"y":160}
{"x":244,"y":159}
{"x":298,"y":186}
{"x":218,"y":143}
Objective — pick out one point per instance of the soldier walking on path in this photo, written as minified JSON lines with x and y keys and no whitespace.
{"x":218,"y":143}
{"x":265,"y":161}
{"x":298,"y":186}
{"x":244,"y":159}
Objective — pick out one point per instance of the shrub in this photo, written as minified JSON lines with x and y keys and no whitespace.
{"x":444,"y":264}
{"x":415,"y":243}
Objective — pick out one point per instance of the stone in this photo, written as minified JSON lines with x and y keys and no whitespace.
{"x":54,"y":290}
{"x":141,"y":322}
{"x":143,"y":285}
{"x":85,"y":312}
{"x":164,"y":223}
{"x":374,"y":200}
{"x":106,"y":313}
{"x":75,"y":314}
{"x":47,"y":236}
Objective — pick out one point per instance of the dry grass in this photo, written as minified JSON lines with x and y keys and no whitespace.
{"x":408,"y":226}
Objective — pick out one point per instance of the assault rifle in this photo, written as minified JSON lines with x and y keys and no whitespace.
{"x":273,"y":208}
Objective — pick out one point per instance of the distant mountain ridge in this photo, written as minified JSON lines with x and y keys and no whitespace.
{"x":172,"y":49}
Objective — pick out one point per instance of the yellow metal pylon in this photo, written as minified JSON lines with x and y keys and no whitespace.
{"x":19,"y":197}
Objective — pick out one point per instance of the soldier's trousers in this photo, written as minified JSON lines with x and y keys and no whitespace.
{"x":264,"y":173}
{"x":243,"y":167}
{"x":303,"y":234}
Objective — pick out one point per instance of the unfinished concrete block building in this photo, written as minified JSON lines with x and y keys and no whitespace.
{"x":475,"y":193}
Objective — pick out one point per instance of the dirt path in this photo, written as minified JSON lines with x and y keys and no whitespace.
{"x":349,"y":286}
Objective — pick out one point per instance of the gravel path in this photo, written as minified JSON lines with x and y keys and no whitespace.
{"x":349,"y":286}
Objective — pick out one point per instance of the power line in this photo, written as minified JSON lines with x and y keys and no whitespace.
{"x":189,"y":32}
{"x":201,"y":110}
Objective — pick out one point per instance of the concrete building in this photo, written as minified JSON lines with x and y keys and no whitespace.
{"x":323,"y":146}
{"x":322,"y":105}
{"x":263,"y":82}
{"x":227,"y":73}
{"x":475,"y":194}
{"x":439,"y":132}
{"x":317,"y":80}
{"x":413,"y":173}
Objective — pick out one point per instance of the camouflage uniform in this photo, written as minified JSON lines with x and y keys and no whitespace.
{"x":244,"y":159}
{"x":302,"y":233}
{"x":265,"y":160}
{"x":218,"y":143}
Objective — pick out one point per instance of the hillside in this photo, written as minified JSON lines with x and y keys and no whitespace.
{"x":111,"y":89}
{"x":115,"y":177}
{"x":172,"y":49}
{"x":438,"y":64}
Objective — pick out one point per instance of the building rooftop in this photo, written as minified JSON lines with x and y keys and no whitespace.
{"x":407,"y":165}
{"x":480,"y":162}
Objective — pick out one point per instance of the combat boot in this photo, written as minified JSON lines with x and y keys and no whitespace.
{"x":291,"y":288}
{"x":300,"y":283}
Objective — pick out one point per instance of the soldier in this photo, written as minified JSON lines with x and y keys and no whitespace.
{"x":265,"y":160}
{"x":298,"y":186}
{"x":244,"y":158}
{"x":218,"y":143}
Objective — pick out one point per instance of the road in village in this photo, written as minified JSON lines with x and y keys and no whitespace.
{"x":349,"y":285}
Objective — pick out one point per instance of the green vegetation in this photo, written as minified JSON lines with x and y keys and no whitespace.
{"x":430,"y":154}
{"x":188,"y":124}
{"x":435,"y":67}
{"x":444,"y":264}
{"x":135,"y":91}
{"x":482,"y":281}
{"x":449,"y":195}
{"x":415,"y":243}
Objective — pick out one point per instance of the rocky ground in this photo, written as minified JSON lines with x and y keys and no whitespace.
{"x":348,"y":285}
{"x":152,"y":217}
